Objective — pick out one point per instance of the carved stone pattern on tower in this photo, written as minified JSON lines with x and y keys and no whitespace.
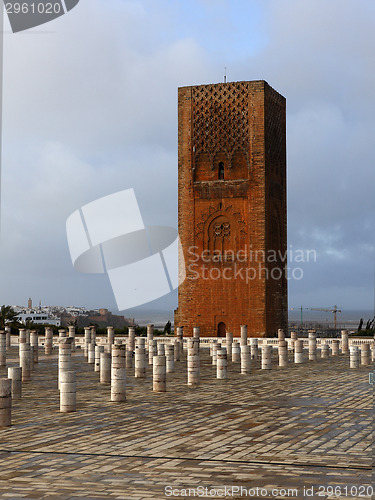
{"x":220,"y":119}
{"x":219,"y":210}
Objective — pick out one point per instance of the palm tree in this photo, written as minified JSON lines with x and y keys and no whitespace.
{"x":8,"y":317}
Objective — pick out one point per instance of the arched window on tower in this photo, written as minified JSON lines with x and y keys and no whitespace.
{"x":221,"y":171}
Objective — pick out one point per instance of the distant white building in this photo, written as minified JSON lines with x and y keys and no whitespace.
{"x":38,"y":317}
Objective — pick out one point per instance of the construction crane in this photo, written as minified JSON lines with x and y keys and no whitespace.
{"x":334,"y":310}
{"x":300,"y":309}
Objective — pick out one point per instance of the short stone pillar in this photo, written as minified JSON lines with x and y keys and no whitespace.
{"x":93,"y":335}
{"x":365,"y":354}
{"x":131,"y":338}
{"x":354,"y":357}
{"x":118,"y":373}
{"x":152,"y":350}
{"x":64,"y":361}
{"x":24,"y":350}
{"x":169,"y":357}
{"x":221,"y":364}
{"x":105,"y":367}
{"x":312,"y":345}
{"x":140,"y":361}
{"x":68,"y":402}
{"x":72,"y":335}
{"x":62,"y":334}
{"x":150,"y":335}
{"x":48,"y":340}
{"x":91,"y":353}
{"x":3,"y":348}
{"x":180,"y":332}
{"x":294,"y":337}
{"x":34,"y":342}
{"x":98,"y":349}
{"x":245,"y":359}
{"x":87,"y":340}
{"x":28,"y":336}
{"x":160,"y":349}
{"x":5,"y":402}
{"x":159,"y":375}
{"x":193,"y":367}
{"x":196,"y":332}
{"x":243,"y":335}
{"x":228,"y":344}
{"x":15,"y":375}
{"x":177,"y":349}
{"x":335,"y":347}
{"x":280,"y":334}
{"x":110,"y":338}
{"x":283,"y":353}
{"x":236,"y":352}
{"x":266,"y":357}
{"x":214,"y":353}
{"x":22,"y":336}
{"x":8,"y":336}
{"x":298,"y":351}
{"x":344,"y":341}
{"x":324,"y":351}
{"x":254,"y":349}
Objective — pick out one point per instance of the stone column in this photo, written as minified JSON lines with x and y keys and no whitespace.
{"x":28,"y":336}
{"x":5,"y":402}
{"x":228,"y":344}
{"x":159,"y":376}
{"x":324,"y":351}
{"x":98,"y":349}
{"x":24,"y":348}
{"x":280,"y":334}
{"x":221,"y":364}
{"x":118,"y":373}
{"x":62,"y":334}
{"x":8,"y":336}
{"x":180,"y":332}
{"x":372,"y":351}
{"x":245,"y":359}
{"x":365,"y":354}
{"x":335,"y":347}
{"x":131,"y":337}
{"x":298,"y":351}
{"x":283,"y":353}
{"x":87,"y":340}
{"x":152,"y":350}
{"x":160,"y":349}
{"x":34,"y":342}
{"x":3,"y":348}
{"x":266,"y":357}
{"x":169,"y":356}
{"x":140,"y":361}
{"x":196,"y":332}
{"x":48,"y":340}
{"x":312,"y":345}
{"x":31,"y":358}
{"x":105,"y":367}
{"x":129,"y":356}
{"x":294,"y":337}
{"x":344,"y":341}
{"x":72,"y":335}
{"x":93,"y":334}
{"x":236,"y":352}
{"x":110,"y":338}
{"x":22,"y":336}
{"x":150,"y":336}
{"x":214,"y":353}
{"x":254,"y":349}
{"x":68,"y":391}
{"x":354,"y":357}
{"x":90,"y":353}
{"x":193,"y":367}
{"x":177,"y":349}
{"x":15,"y":375}
{"x":64,"y":362}
{"x":243,"y":335}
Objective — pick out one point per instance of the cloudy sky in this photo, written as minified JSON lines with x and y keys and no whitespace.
{"x":90,"y":108}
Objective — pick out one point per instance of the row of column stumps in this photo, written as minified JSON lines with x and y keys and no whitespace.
{"x":112,"y":365}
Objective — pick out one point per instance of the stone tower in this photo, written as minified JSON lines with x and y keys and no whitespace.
{"x":232,"y":208}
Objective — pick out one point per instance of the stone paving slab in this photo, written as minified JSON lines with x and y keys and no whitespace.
{"x":303,"y":426}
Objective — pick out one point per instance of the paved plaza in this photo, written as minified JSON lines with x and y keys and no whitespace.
{"x":306,"y":428}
